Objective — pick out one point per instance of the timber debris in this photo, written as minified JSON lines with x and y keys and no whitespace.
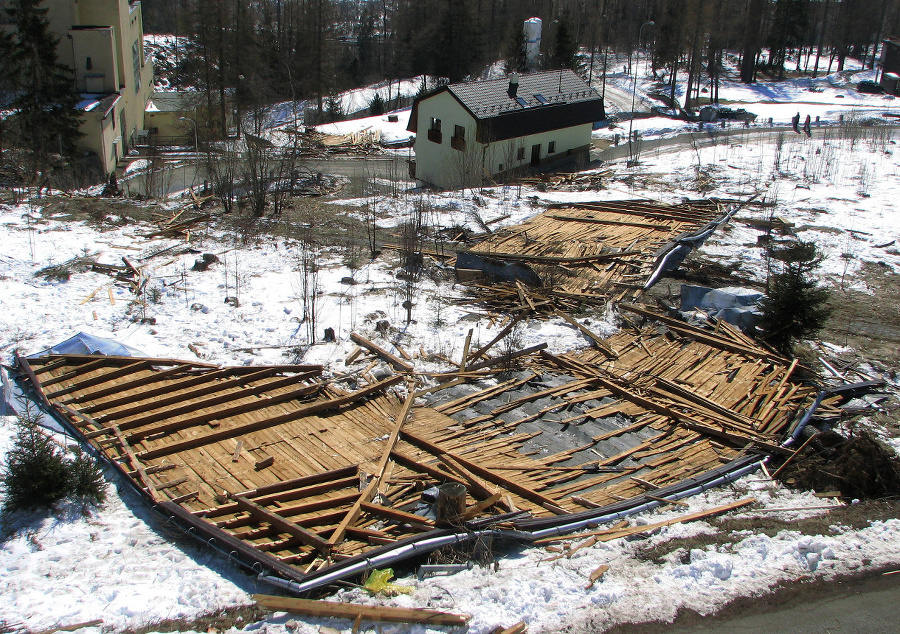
{"x":311,"y":482}
{"x":585,"y":253}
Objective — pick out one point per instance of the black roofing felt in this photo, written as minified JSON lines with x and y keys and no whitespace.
{"x":542,"y":102}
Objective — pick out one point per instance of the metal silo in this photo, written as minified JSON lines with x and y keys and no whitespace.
{"x":532,"y":41}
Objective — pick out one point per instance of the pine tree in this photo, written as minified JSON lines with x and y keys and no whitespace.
{"x":35,"y":472}
{"x":45,"y":120}
{"x":795,"y":307}
{"x":516,"y":56}
{"x":565,"y":48}
{"x":376,"y":106}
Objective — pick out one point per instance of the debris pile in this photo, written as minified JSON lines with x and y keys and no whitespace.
{"x":586,"y":253}
{"x":291,"y":472}
{"x":860,"y":467}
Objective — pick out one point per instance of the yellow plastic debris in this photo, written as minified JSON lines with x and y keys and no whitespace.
{"x":379,"y":583}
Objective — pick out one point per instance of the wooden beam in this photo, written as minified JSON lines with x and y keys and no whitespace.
{"x":352,"y":611}
{"x":420,"y":467}
{"x":23,"y":363}
{"x":114,"y":357}
{"x":87,"y":367}
{"x":237,"y":430}
{"x":598,"y":341}
{"x":97,"y":380}
{"x":545,"y":259}
{"x":283,"y":525}
{"x":506,"y":358}
{"x":480,"y":352}
{"x":511,"y":486}
{"x":702,"y":335}
{"x":179,"y":396}
{"x":370,"y":490}
{"x":603,"y":221}
{"x":155,"y":377}
{"x":615,"y":533}
{"x":396,"y":362}
{"x":259,"y":403}
{"x":396,"y":515}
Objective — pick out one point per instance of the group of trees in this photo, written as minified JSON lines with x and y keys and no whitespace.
{"x":277,"y":49}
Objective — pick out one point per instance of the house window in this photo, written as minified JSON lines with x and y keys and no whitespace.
{"x":136,"y":62}
{"x":551,"y":147}
{"x":458,"y":140}
{"x":520,"y":154}
{"x":88,"y":64}
{"x":434,"y":131}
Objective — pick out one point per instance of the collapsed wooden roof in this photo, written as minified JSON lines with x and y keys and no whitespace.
{"x":590,"y":252}
{"x":307,"y":479}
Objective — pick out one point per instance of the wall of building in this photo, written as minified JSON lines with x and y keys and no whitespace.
{"x":470,"y":163}
{"x":94,"y":60}
{"x":431,"y":156}
{"x":114,"y":40}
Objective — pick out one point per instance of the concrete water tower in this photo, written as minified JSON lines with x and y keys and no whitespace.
{"x":533,"y":42}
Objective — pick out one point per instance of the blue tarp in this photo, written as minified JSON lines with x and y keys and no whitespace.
{"x":83,"y":343}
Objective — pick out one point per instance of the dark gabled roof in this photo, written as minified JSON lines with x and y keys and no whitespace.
{"x":542,"y":102}
{"x":487,"y":99}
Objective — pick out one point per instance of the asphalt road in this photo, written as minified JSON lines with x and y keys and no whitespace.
{"x":184,"y":172}
{"x":863,"y":606}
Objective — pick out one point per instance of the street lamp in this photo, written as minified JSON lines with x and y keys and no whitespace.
{"x":196,"y":142}
{"x":196,"y":152}
{"x":634,"y":91}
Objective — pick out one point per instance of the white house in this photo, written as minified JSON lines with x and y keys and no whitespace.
{"x":468,"y":133}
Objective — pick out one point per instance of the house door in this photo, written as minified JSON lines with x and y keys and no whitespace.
{"x":536,"y":154}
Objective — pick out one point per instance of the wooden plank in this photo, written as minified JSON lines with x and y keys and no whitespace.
{"x":82,"y":369}
{"x":195,"y":402}
{"x":511,"y":486}
{"x":398,"y":364}
{"x":237,"y":430}
{"x":309,"y":607}
{"x":607,"y":535}
{"x":598,"y":341}
{"x":396,"y":515}
{"x":465,"y":351}
{"x":283,"y":525}
{"x":202,"y":418}
{"x":134,"y":394}
{"x":505,"y":331}
{"x":23,"y":363}
{"x":545,"y":259}
{"x":506,"y":358}
{"x":98,"y":380}
{"x":370,"y":490}
{"x":601,"y":221}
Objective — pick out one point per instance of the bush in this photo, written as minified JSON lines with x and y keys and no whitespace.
{"x":37,"y":474}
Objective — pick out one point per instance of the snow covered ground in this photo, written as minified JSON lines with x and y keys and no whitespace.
{"x":120,"y":563}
